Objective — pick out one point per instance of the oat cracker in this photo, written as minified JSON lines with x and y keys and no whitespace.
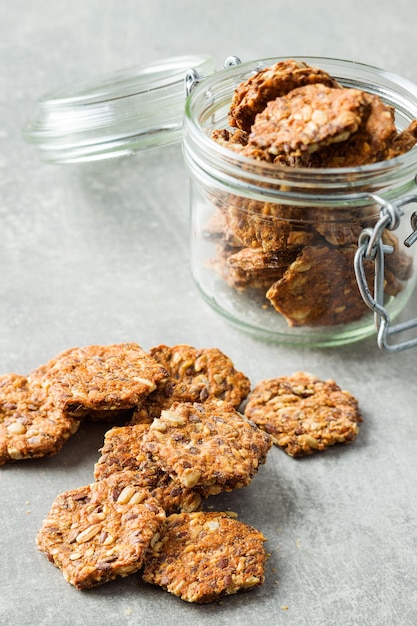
{"x":94,"y":534}
{"x":307,"y":119}
{"x":204,"y":556}
{"x":265,"y":225}
{"x":319,"y":288}
{"x":208,"y":446}
{"x":252,"y":96}
{"x":402,"y":142}
{"x":252,"y":268}
{"x":369,"y":144}
{"x":96,"y":378}
{"x":195,"y":375}
{"x":30,"y":425}
{"x":304,"y":414}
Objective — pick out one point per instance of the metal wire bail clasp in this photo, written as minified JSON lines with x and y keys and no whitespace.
{"x":192,"y":77}
{"x":372,"y":248}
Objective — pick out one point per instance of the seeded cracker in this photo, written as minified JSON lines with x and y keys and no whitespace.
{"x":195,"y":375}
{"x":124,"y":464}
{"x":94,"y":535}
{"x":204,"y":556}
{"x":308,"y":118}
{"x":252,"y":96}
{"x":374,"y":140}
{"x":30,"y":426}
{"x":252,"y":268}
{"x":403,"y":142}
{"x":304,"y":414}
{"x":217,"y":230}
{"x":97,"y":378}
{"x":319,"y":288}
{"x":208,"y":446}
{"x":264,"y":225}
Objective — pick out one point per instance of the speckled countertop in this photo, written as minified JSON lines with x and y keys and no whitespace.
{"x":98,"y":253}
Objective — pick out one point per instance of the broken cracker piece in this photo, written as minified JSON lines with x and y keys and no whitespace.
{"x":124,"y":464}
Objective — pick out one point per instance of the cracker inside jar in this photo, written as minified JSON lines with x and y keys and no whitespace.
{"x":296,"y":260}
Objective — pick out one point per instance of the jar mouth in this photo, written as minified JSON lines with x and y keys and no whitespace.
{"x":207,"y":107}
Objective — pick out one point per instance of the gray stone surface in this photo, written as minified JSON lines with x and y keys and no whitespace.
{"x":98,"y":253}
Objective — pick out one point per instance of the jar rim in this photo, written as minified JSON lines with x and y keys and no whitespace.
{"x":201,"y":103}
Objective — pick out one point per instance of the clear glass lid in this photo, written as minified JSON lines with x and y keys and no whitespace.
{"x":117,"y":115}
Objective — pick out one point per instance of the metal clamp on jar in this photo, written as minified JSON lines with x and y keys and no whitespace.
{"x":371,"y":247}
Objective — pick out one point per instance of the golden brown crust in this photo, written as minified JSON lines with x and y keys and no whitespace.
{"x":252,"y":96}
{"x":94,"y":534}
{"x":307,"y":119}
{"x":204,"y":556}
{"x":304,"y":414}
{"x":123,"y":463}
{"x":96,"y":378}
{"x":30,"y":425}
{"x":195,"y":375}
{"x":208,"y":446}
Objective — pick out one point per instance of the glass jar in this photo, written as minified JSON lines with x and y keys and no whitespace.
{"x":273,"y":248}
